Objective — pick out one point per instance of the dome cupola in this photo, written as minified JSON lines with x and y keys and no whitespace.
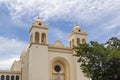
{"x":76,"y":28}
{"x":38,"y":22}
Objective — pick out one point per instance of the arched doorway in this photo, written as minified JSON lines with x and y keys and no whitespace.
{"x":59,"y":69}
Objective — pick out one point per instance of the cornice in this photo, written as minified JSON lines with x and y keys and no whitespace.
{"x":38,"y":27}
{"x":9,"y":72}
{"x":81,"y":33}
{"x":62,"y":48}
{"x":38,"y":44}
{"x":60,"y":51}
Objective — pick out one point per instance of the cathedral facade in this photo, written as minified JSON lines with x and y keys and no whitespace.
{"x":42,"y":61}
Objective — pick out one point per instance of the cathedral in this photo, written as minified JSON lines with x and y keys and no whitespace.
{"x":42,"y":61}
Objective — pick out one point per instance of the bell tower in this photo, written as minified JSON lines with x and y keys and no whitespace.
{"x":38,"y":32}
{"x":38,"y":51}
{"x":77,"y":36}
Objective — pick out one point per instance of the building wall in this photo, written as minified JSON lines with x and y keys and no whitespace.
{"x":16,"y":66}
{"x":79,"y":73}
{"x":38,"y":62}
{"x":69,"y":58}
{"x":10,"y":73}
{"x":75,"y":72}
{"x":25,"y":66}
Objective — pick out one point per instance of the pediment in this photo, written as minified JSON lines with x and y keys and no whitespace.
{"x":58,"y":44}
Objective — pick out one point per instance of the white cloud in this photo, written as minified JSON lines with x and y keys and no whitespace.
{"x":6,"y":64}
{"x":65,"y":9}
{"x":58,"y":35}
{"x":13,"y":46}
{"x":88,"y":11}
{"x":4,"y":0}
{"x":112,"y":23}
{"x":10,"y":49}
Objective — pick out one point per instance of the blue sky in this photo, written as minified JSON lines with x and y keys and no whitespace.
{"x":100,"y":18}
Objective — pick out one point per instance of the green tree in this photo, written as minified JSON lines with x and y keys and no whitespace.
{"x":100,"y":61}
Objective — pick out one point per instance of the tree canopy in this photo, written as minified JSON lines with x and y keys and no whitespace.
{"x":100,"y":61}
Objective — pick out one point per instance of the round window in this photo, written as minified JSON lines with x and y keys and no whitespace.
{"x":79,"y":30}
{"x":40,"y":24}
{"x":57,"y":68}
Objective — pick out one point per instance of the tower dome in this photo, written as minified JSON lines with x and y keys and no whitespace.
{"x":38,"y":21}
{"x":76,"y":28}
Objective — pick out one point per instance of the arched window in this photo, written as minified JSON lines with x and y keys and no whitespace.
{"x":72,"y":42}
{"x":17,"y":77}
{"x":12,"y":77}
{"x":37,"y":37}
{"x":7,"y":77}
{"x":43,"y":38}
{"x":78,"y":41}
{"x":2,"y":77}
{"x":60,"y":69}
{"x":31,"y":38}
{"x":83,"y":41}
